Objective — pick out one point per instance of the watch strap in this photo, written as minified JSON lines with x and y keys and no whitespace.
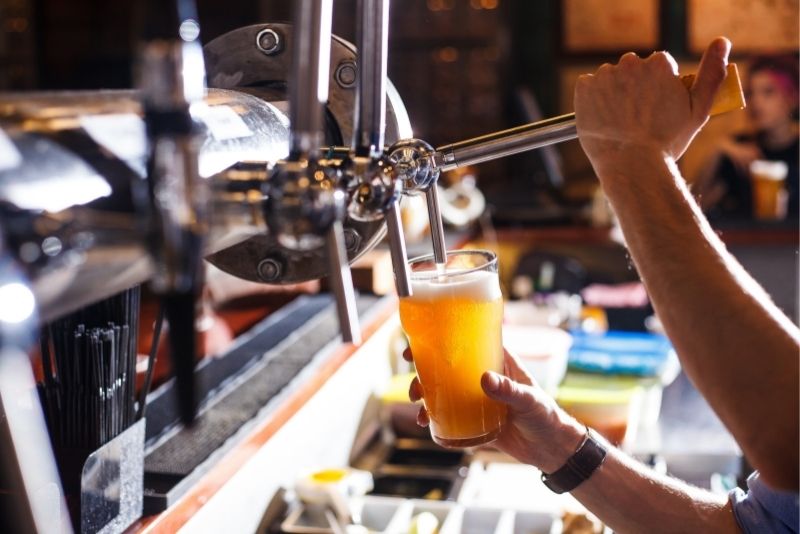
{"x":589,"y":455}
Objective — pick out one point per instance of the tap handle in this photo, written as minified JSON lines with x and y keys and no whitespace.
{"x":179,"y":310}
{"x":171,"y":78}
{"x":372,"y":39}
{"x":342,"y":283}
{"x":397,"y":249}
{"x":546,"y":132}
{"x":308,"y":84}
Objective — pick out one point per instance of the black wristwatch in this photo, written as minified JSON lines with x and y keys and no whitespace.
{"x":579,"y":467}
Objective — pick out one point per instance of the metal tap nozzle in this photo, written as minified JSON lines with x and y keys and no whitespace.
{"x":305,"y":197}
{"x":375,"y":193}
{"x":417,"y":166}
{"x":172,"y":78}
{"x":342,"y":283}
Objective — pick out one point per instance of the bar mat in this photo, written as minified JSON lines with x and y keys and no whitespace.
{"x":240,"y":399}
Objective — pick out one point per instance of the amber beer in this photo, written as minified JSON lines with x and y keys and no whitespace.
{"x":769,"y":194}
{"x":453,"y":322}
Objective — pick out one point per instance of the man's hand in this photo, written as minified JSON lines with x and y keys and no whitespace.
{"x":641,"y":104}
{"x":536,"y":431}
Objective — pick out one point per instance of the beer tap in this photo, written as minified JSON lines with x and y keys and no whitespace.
{"x":375,"y":186}
{"x":419,"y":160}
{"x":305,"y":197}
{"x":416,"y":164}
{"x":175,"y":198}
{"x":558,"y":129}
{"x":419,"y":164}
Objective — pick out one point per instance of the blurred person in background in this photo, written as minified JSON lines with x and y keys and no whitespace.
{"x":724,"y":188}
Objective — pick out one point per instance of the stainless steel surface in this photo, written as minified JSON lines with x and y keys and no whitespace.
{"x":372,"y":43}
{"x":372,"y":187}
{"x":397,"y":248}
{"x":234,"y":61}
{"x":342,"y":284}
{"x":345,"y":74}
{"x":67,"y":207}
{"x":378,"y":181}
{"x":171,"y":73}
{"x":180,"y":212}
{"x":303,"y":200}
{"x":308,"y":85}
{"x":416,"y":167}
{"x":268,"y":41}
{"x":507,"y":142}
{"x":415,"y":164}
{"x":173,"y":199}
{"x":306,"y":196}
{"x":74,"y":226}
{"x":437,"y":227}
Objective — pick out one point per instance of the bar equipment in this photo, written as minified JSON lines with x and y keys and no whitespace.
{"x":101,"y":191}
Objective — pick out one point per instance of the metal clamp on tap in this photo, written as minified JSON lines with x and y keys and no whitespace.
{"x":305,"y":195}
{"x":171,"y":79}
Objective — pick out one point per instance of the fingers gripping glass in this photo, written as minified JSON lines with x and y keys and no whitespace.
{"x":453,"y":322}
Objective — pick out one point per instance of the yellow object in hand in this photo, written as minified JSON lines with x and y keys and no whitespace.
{"x":729,"y":96}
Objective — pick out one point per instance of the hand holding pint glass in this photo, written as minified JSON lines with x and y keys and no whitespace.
{"x":453,"y":322}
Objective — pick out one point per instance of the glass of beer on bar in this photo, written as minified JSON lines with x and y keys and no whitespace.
{"x":454,"y":325}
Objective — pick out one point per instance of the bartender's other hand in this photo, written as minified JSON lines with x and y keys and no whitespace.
{"x":537,"y":431}
{"x":642,"y":104}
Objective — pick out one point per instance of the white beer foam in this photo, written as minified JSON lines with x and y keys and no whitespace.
{"x":477,"y":286}
{"x":769,"y":170}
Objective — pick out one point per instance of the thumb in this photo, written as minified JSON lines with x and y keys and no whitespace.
{"x":505,"y":390}
{"x":710,"y":76}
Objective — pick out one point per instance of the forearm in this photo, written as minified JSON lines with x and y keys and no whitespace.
{"x":706,"y":188}
{"x":724,"y":328}
{"x":631,"y":498}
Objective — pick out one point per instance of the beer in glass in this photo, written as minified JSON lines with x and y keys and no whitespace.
{"x":453,"y":322}
{"x":769,"y":190}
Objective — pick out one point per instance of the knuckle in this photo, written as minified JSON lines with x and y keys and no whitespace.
{"x":605,"y":68}
{"x":507,"y":387}
{"x":662,"y":60}
{"x":629,"y":59}
{"x":584,"y":82}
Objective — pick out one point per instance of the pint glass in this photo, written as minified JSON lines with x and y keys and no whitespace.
{"x":453,"y":322}
{"x":769,"y":189}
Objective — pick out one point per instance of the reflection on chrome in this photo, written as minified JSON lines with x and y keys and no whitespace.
{"x":57,"y":194}
{"x":16,"y":303}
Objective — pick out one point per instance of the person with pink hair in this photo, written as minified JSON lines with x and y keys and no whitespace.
{"x":724,"y":188}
